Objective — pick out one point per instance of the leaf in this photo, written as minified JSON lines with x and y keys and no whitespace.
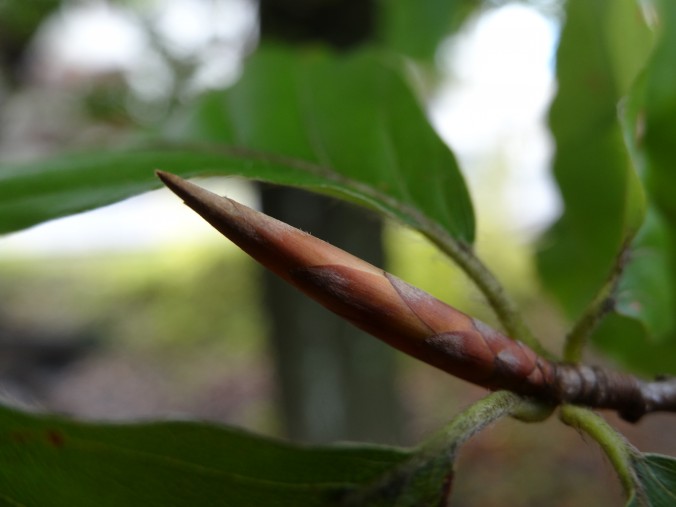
{"x":651,"y":125}
{"x":624,"y":339}
{"x":648,"y":289}
{"x":63,"y":185}
{"x":20,"y":20}
{"x":47,"y":460}
{"x":657,"y":478}
{"x":603,"y":46}
{"x":655,"y":114}
{"x":639,"y":334}
{"x":416,"y":27}
{"x":354,"y":116}
{"x":345,"y":126}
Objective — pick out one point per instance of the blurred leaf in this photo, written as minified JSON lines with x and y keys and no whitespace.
{"x":416,"y":27}
{"x":601,"y":193}
{"x":648,"y":288}
{"x":603,"y":47}
{"x":657,"y":476}
{"x":46,"y":460}
{"x":657,"y":120}
{"x":624,"y":339}
{"x":63,"y":185}
{"x":645,"y":291}
{"x":18,"y":23}
{"x":348,"y":127}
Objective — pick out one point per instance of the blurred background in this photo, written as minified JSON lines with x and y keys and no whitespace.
{"x":139,"y":310}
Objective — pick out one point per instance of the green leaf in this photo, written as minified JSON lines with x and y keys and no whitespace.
{"x":605,"y":205}
{"x":659,"y":116}
{"x":46,"y":460}
{"x":657,"y":477}
{"x":648,"y":289}
{"x":601,"y":194}
{"x":656,"y":115}
{"x":354,"y":117}
{"x":20,"y":20}
{"x":63,"y":185}
{"x":415,"y":27}
{"x":345,"y":126}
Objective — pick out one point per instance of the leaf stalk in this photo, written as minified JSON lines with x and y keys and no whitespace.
{"x":619,"y":451}
{"x":504,"y":307}
{"x":433,"y":461}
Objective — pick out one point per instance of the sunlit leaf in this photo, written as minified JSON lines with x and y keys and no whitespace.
{"x":35,"y":192}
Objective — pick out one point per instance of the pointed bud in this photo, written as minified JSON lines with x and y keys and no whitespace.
{"x":416,"y":322}
{"x":377,"y":302}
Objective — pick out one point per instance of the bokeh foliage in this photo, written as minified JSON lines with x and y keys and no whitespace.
{"x":353,"y":126}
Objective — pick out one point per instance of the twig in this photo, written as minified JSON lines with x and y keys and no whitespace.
{"x":415,"y":322}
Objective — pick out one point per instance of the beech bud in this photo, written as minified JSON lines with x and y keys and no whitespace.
{"x":381,"y":304}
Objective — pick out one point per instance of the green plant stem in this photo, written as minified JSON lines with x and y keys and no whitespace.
{"x":504,"y":307}
{"x":481,"y":414}
{"x":595,"y":312}
{"x":460,"y":252}
{"x":430,"y":468}
{"x":615,"y":446}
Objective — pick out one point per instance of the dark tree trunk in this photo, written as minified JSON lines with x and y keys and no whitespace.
{"x":336,"y":382}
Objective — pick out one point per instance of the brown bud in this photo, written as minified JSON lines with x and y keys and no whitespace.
{"x":377,"y":302}
{"x":412,"y":320}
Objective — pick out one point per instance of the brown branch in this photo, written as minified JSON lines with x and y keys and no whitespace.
{"x":415,"y":322}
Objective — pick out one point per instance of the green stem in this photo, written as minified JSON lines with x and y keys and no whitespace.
{"x":506,"y":310}
{"x":615,"y":446}
{"x":426,"y":477}
{"x":479,"y":415}
{"x":600,"y":306}
{"x":504,"y":307}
